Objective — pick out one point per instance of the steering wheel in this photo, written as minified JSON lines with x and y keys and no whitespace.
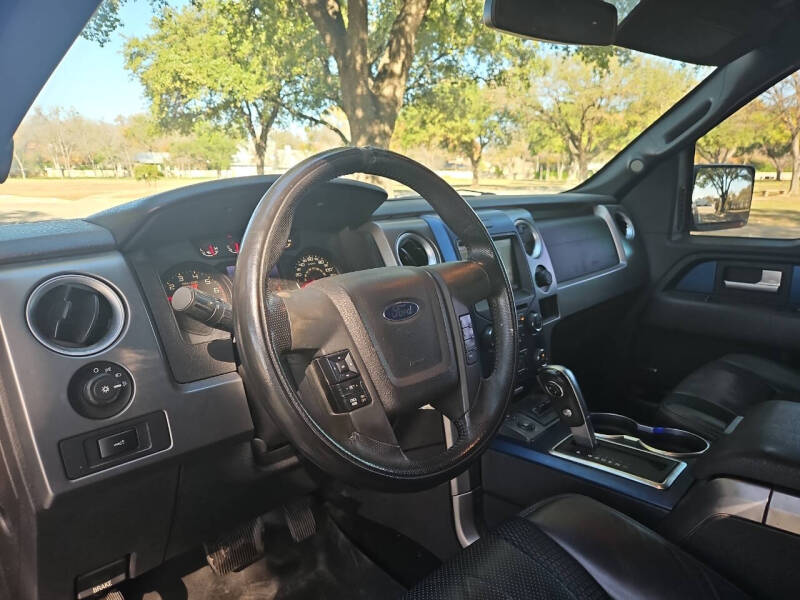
{"x":337,"y":361}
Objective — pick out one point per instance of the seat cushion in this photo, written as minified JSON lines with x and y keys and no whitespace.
{"x":572,"y":547}
{"x":710,"y":398}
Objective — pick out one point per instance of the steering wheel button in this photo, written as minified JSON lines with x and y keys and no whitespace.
{"x":337,"y":367}
{"x":472,"y":356}
{"x":349,"y":396}
{"x":466,"y":321}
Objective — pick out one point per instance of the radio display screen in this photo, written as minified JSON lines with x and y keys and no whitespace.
{"x":506,"y":252}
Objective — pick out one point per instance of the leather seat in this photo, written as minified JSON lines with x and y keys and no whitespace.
{"x":572,"y":547}
{"x":710,"y":398}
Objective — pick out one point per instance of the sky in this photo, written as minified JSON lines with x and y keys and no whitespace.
{"x":93,"y":80}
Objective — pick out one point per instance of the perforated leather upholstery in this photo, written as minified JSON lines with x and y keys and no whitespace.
{"x":572,"y":547}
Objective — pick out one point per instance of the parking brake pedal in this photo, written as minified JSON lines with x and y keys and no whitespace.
{"x":300,"y":519}
{"x":237,"y":549}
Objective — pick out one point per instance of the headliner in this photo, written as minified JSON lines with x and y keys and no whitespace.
{"x":706,"y":32}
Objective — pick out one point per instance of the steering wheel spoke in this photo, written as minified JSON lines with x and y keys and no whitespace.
{"x":306,"y":317}
{"x":371,"y":427}
{"x":467,"y":281}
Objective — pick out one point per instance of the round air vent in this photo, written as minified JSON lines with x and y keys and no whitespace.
{"x":413,"y":250}
{"x":531,"y":240}
{"x":76,"y":315}
{"x":624,"y":225}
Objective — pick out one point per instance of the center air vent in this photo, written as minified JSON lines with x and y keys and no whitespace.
{"x":413,"y":250}
{"x":75,"y":315}
{"x":624,"y":225}
{"x":531,"y":240}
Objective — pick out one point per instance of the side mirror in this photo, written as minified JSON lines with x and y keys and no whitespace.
{"x":721,"y":196}
{"x":592,"y":22}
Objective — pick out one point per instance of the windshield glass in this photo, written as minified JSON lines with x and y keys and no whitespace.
{"x":158,"y":94}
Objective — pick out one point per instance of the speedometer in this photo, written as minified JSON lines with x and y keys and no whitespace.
{"x":311,"y":266}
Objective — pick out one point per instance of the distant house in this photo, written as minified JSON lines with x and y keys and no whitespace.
{"x":151,"y":158}
{"x":243,"y":162}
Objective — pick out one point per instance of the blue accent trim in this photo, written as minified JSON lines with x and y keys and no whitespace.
{"x":665,"y":499}
{"x":443,"y":237}
{"x":658,"y":430}
{"x":699,"y":279}
{"x":794,"y":291}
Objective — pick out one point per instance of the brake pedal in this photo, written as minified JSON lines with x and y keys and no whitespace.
{"x":237,"y":549}
{"x":300,"y":520}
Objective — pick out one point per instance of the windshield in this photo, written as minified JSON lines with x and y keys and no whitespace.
{"x":159,"y":94}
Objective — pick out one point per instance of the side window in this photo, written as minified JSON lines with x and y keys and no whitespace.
{"x":747,"y":169}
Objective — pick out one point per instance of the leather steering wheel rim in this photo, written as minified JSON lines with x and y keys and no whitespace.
{"x":270,"y":327}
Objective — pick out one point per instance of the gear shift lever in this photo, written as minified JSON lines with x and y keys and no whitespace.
{"x":563,"y":389}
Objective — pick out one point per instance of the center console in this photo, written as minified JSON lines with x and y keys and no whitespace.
{"x":734,"y":504}
{"x":611,"y":444}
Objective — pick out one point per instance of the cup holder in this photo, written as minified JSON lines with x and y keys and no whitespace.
{"x":661,"y":440}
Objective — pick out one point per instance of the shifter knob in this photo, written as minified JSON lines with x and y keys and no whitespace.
{"x":562,"y":387}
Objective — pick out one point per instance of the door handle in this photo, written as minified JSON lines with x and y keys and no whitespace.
{"x":770,"y":282}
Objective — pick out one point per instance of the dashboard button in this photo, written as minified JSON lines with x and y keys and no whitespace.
{"x":119,"y":443}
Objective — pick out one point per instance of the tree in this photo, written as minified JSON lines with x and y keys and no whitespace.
{"x":726,"y":140}
{"x":721,"y":179}
{"x":207,"y":147}
{"x":460,"y":116}
{"x":388,"y":50}
{"x":768,"y":134}
{"x":236,"y":65}
{"x":580,"y":108}
{"x":366,"y":57}
{"x":784,"y":99}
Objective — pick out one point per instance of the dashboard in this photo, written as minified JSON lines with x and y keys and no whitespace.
{"x":181,"y":424}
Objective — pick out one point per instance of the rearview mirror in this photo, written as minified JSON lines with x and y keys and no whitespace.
{"x":592,"y":22}
{"x":721,"y":196}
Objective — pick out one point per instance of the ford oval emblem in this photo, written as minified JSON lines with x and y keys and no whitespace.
{"x":400,"y":311}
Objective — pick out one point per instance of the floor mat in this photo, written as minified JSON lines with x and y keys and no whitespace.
{"x":403,"y":559}
{"x":325,"y":567}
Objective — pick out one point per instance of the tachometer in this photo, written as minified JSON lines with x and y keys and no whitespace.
{"x":311,"y":266}
{"x":198,"y":277}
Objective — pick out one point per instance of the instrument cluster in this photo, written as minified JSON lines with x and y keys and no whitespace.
{"x":213,"y":270}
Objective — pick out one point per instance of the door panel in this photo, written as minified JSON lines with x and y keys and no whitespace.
{"x":708,"y":306}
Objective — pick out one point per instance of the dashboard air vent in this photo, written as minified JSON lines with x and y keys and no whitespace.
{"x":531,"y":240}
{"x":624,"y":225}
{"x":76,"y":315}
{"x":413,"y":250}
